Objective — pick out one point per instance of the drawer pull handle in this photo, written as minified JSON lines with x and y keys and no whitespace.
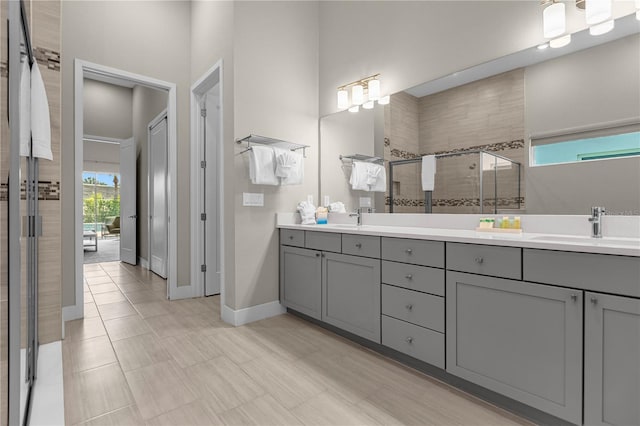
{"x":291,"y":237}
{"x":574,"y":297}
{"x":409,"y":340}
{"x":479,"y":260}
{"x":594,"y":300}
{"x":359,"y":245}
{"x":409,"y":251}
{"x":409,"y":276}
{"x":409,"y":307}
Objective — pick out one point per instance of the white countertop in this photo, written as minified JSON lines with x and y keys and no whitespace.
{"x":607,"y":245}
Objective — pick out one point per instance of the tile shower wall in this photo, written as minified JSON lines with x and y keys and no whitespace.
{"x":45,"y":35}
{"x":487,"y":114}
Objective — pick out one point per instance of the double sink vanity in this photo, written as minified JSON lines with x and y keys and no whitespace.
{"x":549,"y":324}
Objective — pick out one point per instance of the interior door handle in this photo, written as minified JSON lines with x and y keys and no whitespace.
{"x":133,"y":216}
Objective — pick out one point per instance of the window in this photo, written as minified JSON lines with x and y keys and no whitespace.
{"x":588,"y":146}
{"x":101,"y":200}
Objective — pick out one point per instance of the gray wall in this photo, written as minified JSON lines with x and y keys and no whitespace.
{"x":101,"y":157}
{"x":148,"y":38}
{"x":107,"y":110}
{"x":147,"y":104}
{"x":597,"y":85}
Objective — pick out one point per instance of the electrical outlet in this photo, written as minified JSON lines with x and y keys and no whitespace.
{"x":365,"y":201}
{"x":252,"y":199}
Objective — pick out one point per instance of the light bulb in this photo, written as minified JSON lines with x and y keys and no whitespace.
{"x":602,"y":28}
{"x":384,"y":100}
{"x":367,"y":105}
{"x":354,"y":108}
{"x":343,"y":99}
{"x":597,"y":11}
{"x":357,"y":94}
{"x":553,"y":19}
{"x":560,"y":41}
{"x":374,"y":90}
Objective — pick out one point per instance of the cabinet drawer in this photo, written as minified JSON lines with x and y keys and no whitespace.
{"x":598,"y":272}
{"x":496,"y":261}
{"x":413,"y":277}
{"x":418,"y":252}
{"x":420,"y":309}
{"x":421,"y":343}
{"x":325,"y":241}
{"x":361,"y":245}
{"x":292,"y":237}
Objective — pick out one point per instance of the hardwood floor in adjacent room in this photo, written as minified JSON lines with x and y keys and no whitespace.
{"x":137,"y":358}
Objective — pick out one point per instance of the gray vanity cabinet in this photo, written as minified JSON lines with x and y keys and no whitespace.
{"x":300,"y":284}
{"x":612,"y":360}
{"x":351,"y":294}
{"x":519,"y":339}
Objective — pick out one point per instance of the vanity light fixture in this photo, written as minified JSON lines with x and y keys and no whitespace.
{"x":384,"y":100}
{"x":597,"y":11}
{"x":601,"y":28}
{"x":638,"y":11}
{"x":560,"y":41}
{"x":357,"y":94}
{"x":363,"y":93}
{"x":553,"y":19}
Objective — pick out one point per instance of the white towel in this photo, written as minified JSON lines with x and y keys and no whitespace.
{"x":307,"y":213}
{"x":337,"y":207}
{"x":377,"y":177}
{"x":359,"y":176}
{"x":40,"y":122}
{"x":25,"y":109}
{"x":262,"y":166}
{"x":428,"y":172}
{"x":289,"y":166}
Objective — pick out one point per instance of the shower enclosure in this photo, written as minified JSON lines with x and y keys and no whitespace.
{"x":465,"y":182}
{"x":19,"y":222}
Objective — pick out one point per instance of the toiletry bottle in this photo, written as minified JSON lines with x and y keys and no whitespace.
{"x":516,"y":222}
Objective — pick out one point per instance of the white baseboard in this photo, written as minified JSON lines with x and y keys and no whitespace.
{"x":251,"y":314}
{"x":72,"y":312}
{"x":143,"y":262}
{"x":182,"y":292}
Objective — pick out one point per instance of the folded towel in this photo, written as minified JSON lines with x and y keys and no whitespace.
{"x":376,"y":177}
{"x":25,"y":109}
{"x":359,"y":176}
{"x":285,"y":162}
{"x":295,"y":171}
{"x":337,"y":207}
{"x":307,"y":213}
{"x":40,"y":121}
{"x":262,"y":166}
{"x":428,"y":172}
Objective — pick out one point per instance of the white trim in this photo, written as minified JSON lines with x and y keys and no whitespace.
{"x":81,"y":68}
{"x":201,"y":86}
{"x":251,"y":314}
{"x":70,"y":313}
{"x":156,"y":120}
{"x":102,"y":139}
{"x":143,"y":262}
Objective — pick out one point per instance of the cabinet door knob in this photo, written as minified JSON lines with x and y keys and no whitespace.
{"x":409,"y":307}
{"x":574,"y":297}
{"x":322,"y":254}
{"x":408,"y":276}
{"x":359,"y":245}
{"x":479,"y":260}
{"x":291,"y":237}
{"x":409,"y":251}
{"x":409,"y":340}
{"x":594,"y":300}
{"x":317,"y":254}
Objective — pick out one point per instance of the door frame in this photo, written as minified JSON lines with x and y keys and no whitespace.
{"x":156,"y":120}
{"x":212,"y":77}
{"x":81,"y":69}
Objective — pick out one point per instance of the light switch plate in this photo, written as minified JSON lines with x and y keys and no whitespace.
{"x":252,"y":199}
{"x":365,"y":201}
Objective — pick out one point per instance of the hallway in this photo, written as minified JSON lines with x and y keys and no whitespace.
{"x":137,"y":358}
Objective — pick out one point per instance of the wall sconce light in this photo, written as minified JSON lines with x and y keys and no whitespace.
{"x":384,"y":100}
{"x":597,"y":11}
{"x":554,"y":20}
{"x":601,"y":28}
{"x":638,"y":11}
{"x":363,"y":93}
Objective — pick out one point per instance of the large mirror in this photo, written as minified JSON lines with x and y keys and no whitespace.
{"x":550,"y":131}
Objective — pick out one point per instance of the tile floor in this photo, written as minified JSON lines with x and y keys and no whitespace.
{"x":138,"y":359}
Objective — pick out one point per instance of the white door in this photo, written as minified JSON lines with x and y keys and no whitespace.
{"x":211,"y":224}
{"x":158,"y":218}
{"x":128,"y":217}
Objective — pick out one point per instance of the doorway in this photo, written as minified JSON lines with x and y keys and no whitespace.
{"x":83,"y":70}
{"x":207,"y":234}
{"x":157,"y":199}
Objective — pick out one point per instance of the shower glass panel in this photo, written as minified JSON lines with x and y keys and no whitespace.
{"x":465,"y":182}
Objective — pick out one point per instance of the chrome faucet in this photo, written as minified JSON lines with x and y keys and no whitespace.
{"x":358,"y":213}
{"x":596,"y":221}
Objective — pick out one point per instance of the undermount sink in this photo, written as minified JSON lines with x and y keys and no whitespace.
{"x":576,"y":240}
{"x":345,"y":225}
